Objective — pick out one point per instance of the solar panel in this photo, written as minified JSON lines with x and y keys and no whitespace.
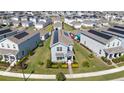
{"x":5,"y":31}
{"x":116,"y":30}
{"x":21,"y":35}
{"x":100,"y":34}
{"x":55,"y":37}
{"x":119,"y":27}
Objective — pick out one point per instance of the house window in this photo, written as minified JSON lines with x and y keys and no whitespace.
{"x":113,"y":44}
{"x":60,"y":58}
{"x":2,"y":45}
{"x":4,"y":36}
{"x":59,"y":48}
{"x":118,"y":44}
{"x":100,"y":51}
{"x":23,"y":53}
{"x":108,"y":45}
{"x":14,"y":46}
{"x":8,"y":46}
{"x":85,"y":42}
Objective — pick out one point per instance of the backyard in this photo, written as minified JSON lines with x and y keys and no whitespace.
{"x":38,"y":61}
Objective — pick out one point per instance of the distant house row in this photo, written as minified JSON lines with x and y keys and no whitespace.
{"x":108,"y":43}
{"x":77,"y":22}
{"x":27,"y":21}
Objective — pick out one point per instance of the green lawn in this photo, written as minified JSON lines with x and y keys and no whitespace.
{"x":82,"y":54}
{"x":68,"y":27}
{"x":42,"y":54}
{"x":5,"y":78}
{"x":48,"y":28}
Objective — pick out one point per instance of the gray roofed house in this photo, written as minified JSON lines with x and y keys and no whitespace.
{"x":28,"y":36}
{"x":102,"y":44}
{"x":62,"y":38}
{"x":17,"y":46}
{"x":98,"y":38}
{"x":61,"y":47}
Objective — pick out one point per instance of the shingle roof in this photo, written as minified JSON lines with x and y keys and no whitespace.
{"x":6,"y":51}
{"x":97,"y":38}
{"x":18,"y":41}
{"x":65,"y":40}
{"x":114,"y":50}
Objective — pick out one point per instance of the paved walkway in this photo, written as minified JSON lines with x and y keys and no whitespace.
{"x":80,"y":75}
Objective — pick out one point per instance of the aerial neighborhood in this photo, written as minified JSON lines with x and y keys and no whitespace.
{"x":56,"y":42}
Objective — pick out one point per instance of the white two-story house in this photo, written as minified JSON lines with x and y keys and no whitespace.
{"x":61,"y":47}
{"x":15,"y":47}
{"x":102,"y":44}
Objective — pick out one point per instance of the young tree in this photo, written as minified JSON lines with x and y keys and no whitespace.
{"x":60,"y":76}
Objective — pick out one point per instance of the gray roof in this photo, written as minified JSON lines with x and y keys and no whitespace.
{"x":19,"y":41}
{"x":58,"y":24}
{"x":97,"y":38}
{"x":119,"y":49}
{"x":62,"y":38}
{"x":7,"y":51}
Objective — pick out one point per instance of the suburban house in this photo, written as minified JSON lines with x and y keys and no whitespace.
{"x":102,"y":44}
{"x":16,"y":23}
{"x":7,"y":32}
{"x":15,"y":18}
{"x":58,"y":25}
{"x":15,"y":47}
{"x":61,"y":47}
{"x":26,"y":23}
{"x":117,"y":31}
{"x":44,"y":35}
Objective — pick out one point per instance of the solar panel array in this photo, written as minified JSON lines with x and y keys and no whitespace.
{"x":119,"y":27}
{"x":116,"y":30}
{"x":105,"y":36}
{"x":55,"y":37}
{"x":5,"y":31}
{"x":21,"y":35}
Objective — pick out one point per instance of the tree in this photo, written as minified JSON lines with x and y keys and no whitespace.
{"x":60,"y":76}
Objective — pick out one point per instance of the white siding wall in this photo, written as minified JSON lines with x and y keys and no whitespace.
{"x":93,"y":45}
{"x":54,"y":51}
{"x":7,"y":42}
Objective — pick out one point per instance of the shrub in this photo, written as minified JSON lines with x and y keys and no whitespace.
{"x":41,"y":44}
{"x":64,"y":65}
{"x":31,"y":53}
{"x":24,"y":66}
{"x":49,"y":63}
{"x":24,"y":59}
{"x":60,"y":76}
{"x":75,"y":65}
{"x":40,"y":63}
{"x":91,"y":55}
{"x":106,"y":60}
{"x":54,"y":65}
{"x":118,"y":60}
{"x":86,"y":64}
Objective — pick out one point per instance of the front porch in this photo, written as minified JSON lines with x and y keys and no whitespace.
{"x":8,"y":58}
{"x":114,"y":52}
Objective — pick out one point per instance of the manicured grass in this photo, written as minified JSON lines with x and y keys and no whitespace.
{"x":68,"y":27}
{"x":48,"y":28}
{"x":101,"y":78}
{"x":82,"y":54}
{"x":42,"y":54}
